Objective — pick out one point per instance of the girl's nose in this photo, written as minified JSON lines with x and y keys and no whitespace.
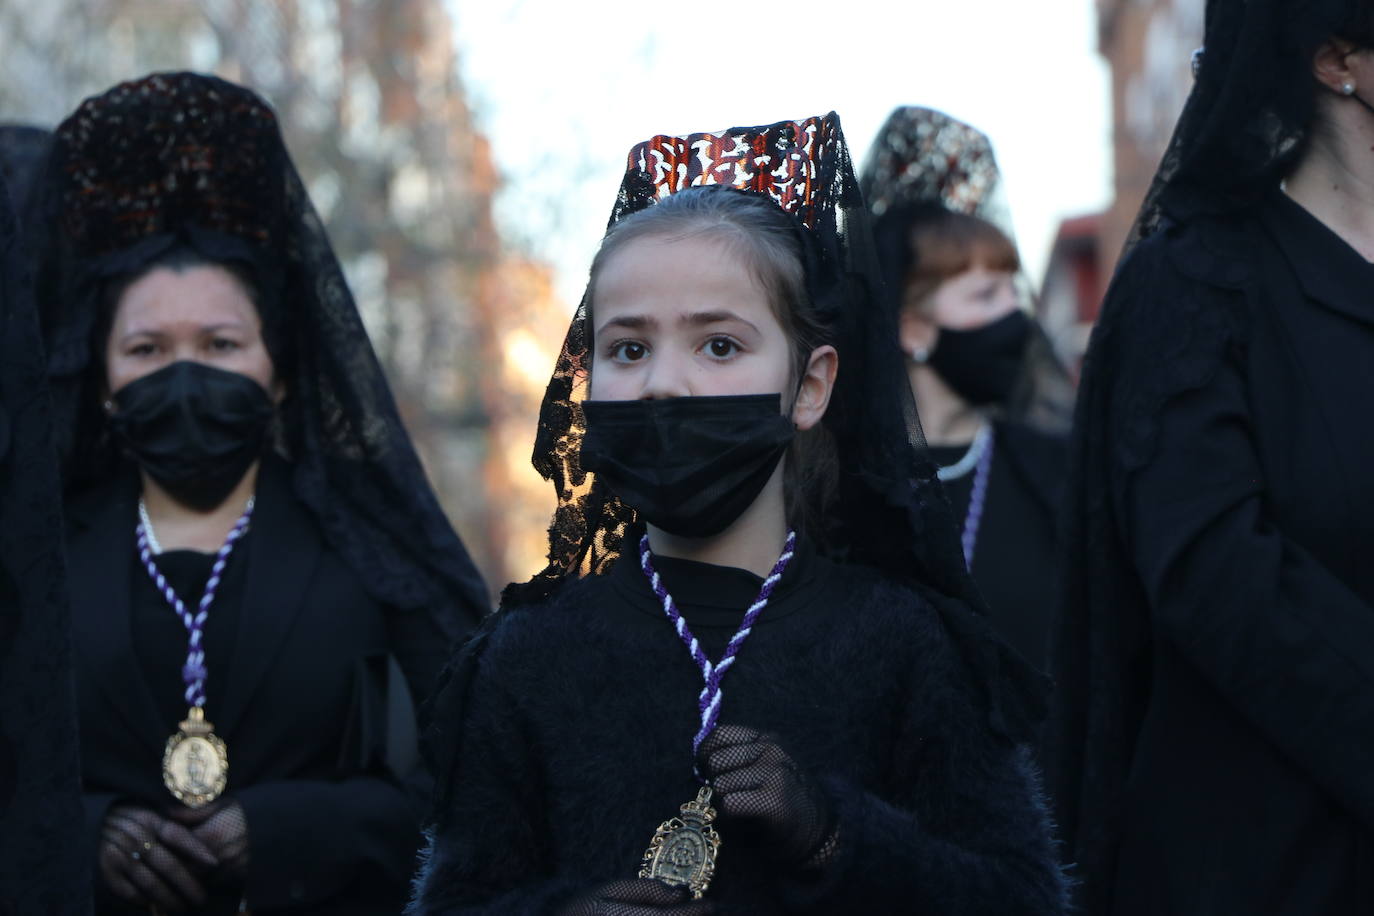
{"x":666,"y":378}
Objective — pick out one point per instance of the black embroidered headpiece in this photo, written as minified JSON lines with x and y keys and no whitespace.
{"x":184,"y":159}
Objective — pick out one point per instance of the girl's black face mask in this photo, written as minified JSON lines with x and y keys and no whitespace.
{"x":195,"y":429}
{"x":689,"y":466}
{"x":983,"y":364}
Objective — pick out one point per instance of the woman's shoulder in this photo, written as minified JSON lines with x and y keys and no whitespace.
{"x":1220,"y":251}
{"x":1185,"y":286}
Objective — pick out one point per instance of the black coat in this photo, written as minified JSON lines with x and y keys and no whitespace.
{"x":573,"y":742}
{"x":1015,"y":551}
{"x":1214,"y":737}
{"x":316,"y":720}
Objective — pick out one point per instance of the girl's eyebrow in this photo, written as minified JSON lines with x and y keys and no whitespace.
{"x":629,"y":322}
{"x":715,"y":317}
{"x":695,"y":319}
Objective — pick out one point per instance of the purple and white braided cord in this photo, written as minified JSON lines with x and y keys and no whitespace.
{"x":708,"y":701}
{"x":194,"y":672}
{"x":977,"y":501}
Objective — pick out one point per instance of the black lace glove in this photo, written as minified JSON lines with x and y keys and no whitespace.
{"x":223,"y":828}
{"x":770,"y":801}
{"x":637,"y":897}
{"x":149,"y":860}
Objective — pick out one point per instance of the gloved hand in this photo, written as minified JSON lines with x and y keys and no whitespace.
{"x":223,"y":828}
{"x":765,"y":797}
{"x":149,"y":860}
{"x":637,"y":897}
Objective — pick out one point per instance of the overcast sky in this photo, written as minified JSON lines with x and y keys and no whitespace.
{"x":564,"y":89}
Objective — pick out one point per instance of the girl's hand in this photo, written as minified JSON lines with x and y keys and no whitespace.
{"x":758,"y":787}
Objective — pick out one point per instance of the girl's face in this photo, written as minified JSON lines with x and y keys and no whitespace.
{"x":678,"y":317}
{"x":201,"y":313}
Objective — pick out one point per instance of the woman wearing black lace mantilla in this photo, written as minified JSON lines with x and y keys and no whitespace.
{"x":263,"y":585}
{"x":994,"y":402}
{"x":750,"y":681}
{"x":1214,"y":736}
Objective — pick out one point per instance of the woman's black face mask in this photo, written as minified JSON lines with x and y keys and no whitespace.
{"x":983,"y":364}
{"x":195,"y":429}
{"x":690,"y":466}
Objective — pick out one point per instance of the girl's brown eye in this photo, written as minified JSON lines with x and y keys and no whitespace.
{"x":628,"y":351}
{"x":722,"y":347}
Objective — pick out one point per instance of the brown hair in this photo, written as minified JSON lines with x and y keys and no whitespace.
{"x":946,"y":244}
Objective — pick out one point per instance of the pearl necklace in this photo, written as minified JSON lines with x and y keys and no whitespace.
{"x":154,"y":547}
{"x":964,"y":465}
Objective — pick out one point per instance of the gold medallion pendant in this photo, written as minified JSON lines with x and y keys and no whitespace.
{"x":683,"y":850}
{"x":195,"y":765}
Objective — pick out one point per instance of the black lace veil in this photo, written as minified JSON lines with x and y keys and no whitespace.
{"x":923,"y":159}
{"x":1242,"y":129}
{"x":1250,"y":112}
{"x":890,"y":512}
{"x":177,"y":159}
{"x":43,"y":863}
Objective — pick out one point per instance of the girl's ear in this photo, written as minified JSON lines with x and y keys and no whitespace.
{"x":818,"y":380}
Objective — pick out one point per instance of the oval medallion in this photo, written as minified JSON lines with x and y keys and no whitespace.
{"x":195,"y":764}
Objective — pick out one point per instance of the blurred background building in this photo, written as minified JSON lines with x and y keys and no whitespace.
{"x":1148,"y":46}
{"x":378,"y":122}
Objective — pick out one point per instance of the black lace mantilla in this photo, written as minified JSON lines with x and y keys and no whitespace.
{"x":1250,"y":111}
{"x":185,"y":159}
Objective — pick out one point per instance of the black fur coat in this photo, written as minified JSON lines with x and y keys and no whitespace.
{"x":572,"y":743}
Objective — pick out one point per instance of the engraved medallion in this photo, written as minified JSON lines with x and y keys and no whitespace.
{"x":195,"y":765}
{"x":683,"y":850}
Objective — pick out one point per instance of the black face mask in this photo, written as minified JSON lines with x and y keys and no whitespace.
{"x":689,"y":466}
{"x":983,"y":364}
{"x":195,"y":429}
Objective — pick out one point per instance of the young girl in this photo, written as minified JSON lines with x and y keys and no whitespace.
{"x":753,"y":635}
